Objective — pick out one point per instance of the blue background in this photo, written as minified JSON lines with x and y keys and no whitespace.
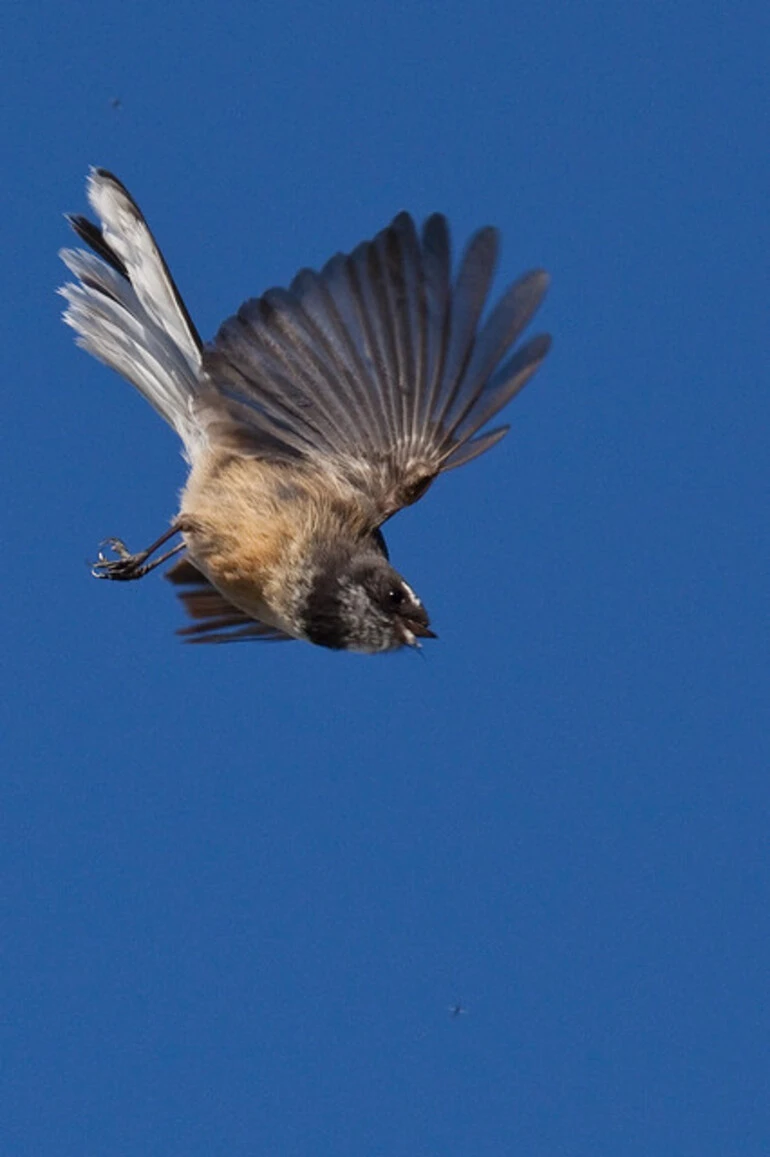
{"x":241,"y":886}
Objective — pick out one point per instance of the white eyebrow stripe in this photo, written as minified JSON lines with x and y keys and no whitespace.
{"x":411,"y":593}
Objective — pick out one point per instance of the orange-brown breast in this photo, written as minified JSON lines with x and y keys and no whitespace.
{"x":250,"y":526}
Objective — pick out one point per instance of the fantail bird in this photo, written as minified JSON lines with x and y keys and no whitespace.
{"x":314,"y":415}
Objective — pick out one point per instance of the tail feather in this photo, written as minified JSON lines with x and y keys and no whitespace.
{"x":127,"y":234}
{"x":126,"y":309}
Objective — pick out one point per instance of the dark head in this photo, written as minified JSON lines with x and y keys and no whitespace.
{"x":362,"y":604}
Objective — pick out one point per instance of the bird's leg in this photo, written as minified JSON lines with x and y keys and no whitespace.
{"x":126,"y":566}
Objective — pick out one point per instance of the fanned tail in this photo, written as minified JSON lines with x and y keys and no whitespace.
{"x":126,"y":309}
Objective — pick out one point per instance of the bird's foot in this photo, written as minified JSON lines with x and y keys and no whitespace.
{"x":124,"y":567}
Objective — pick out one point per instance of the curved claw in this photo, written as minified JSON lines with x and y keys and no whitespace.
{"x":125,"y":567}
{"x":117,"y":545}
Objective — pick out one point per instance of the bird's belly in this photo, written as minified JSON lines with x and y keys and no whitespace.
{"x":241,"y":577}
{"x":253,"y":530}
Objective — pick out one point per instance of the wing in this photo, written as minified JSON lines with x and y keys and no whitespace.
{"x":215,"y":619}
{"x":378,"y":369}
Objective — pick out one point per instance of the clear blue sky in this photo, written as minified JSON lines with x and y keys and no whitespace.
{"x":241,"y":886}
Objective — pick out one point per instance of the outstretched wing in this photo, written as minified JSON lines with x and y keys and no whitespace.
{"x":377,"y":369}
{"x":215,"y":619}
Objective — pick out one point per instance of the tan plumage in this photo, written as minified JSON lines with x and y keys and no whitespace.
{"x":250,"y":526}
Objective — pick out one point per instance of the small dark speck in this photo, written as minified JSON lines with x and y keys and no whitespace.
{"x":116,"y":103}
{"x":287,"y":492}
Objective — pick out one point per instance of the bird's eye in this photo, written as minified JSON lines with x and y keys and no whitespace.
{"x":395,"y":597}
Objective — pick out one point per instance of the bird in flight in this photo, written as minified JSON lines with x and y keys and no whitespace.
{"x":315,"y":414}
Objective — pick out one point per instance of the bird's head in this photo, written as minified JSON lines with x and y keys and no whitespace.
{"x":360,"y":603}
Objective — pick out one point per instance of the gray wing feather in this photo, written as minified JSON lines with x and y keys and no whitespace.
{"x":436,"y":267}
{"x":467,"y":451}
{"x":467,"y":302}
{"x":275,"y":365}
{"x":504,"y":325}
{"x":378,"y":368}
{"x":326,"y":300}
{"x":502,"y":387}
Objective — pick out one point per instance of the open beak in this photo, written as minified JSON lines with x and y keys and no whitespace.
{"x":415,"y":628}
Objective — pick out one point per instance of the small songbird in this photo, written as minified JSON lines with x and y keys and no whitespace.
{"x":315,"y":414}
